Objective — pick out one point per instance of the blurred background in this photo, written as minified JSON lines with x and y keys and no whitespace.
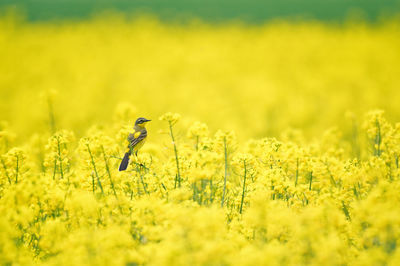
{"x":255,"y":11}
{"x":260,"y":68}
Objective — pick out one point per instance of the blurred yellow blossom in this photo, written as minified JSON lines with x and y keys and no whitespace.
{"x":275,"y":177}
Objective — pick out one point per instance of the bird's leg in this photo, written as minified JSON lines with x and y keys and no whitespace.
{"x":140,"y":164}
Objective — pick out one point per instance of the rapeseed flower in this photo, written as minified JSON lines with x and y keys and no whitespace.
{"x":284,"y":180}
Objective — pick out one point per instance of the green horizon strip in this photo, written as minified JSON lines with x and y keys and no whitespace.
{"x":253,"y":11}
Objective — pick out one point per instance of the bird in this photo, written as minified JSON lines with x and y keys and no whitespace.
{"x":136,"y":141}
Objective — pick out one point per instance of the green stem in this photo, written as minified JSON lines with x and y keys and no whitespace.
{"x":17,"y":170}
{"x":194,"y":191}
{"x":92,"y":182}
{"x":55,"y":168}
{"x":346,"y":211}
{"x":108,"y":171}
{"x":211,"y":191}
{"x":244,"y":186}
{"x":333,"y":181}
{"x":201,"y":192}
{"x":160,"y":185}
{"x":141,"y":179}
{"x":355,"y":191}
{"x":59,"y":158}
{"x":138,"y":187}
{"x":305,"y":197}
{"x":311,"y":177}
{"x":5,"y":170}
{"x":226,"y":172}
{"x":378,"y":139}
{"x":95,"y":169}
{"x":176,"y":154}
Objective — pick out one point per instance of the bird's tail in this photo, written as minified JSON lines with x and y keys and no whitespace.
{"x":125,"y":162}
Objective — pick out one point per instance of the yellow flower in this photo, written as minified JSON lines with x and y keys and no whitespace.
{"x":197,"y":130}
{"x":169,"y":117}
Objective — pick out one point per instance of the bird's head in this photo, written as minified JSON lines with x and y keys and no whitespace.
{"x":141,"y":122}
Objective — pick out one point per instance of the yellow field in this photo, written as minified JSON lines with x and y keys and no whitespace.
{"x":295,"y":160}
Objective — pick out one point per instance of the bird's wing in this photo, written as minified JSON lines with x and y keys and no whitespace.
{"x":135,"y":138}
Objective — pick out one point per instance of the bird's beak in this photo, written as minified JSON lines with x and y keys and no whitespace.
{"x":148,"y":120}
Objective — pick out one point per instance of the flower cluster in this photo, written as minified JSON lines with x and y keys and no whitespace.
{"x":275,"y":176}
{"x":216,"y":202}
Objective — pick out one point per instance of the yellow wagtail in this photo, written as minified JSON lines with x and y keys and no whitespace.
{"x":136,"y":141}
